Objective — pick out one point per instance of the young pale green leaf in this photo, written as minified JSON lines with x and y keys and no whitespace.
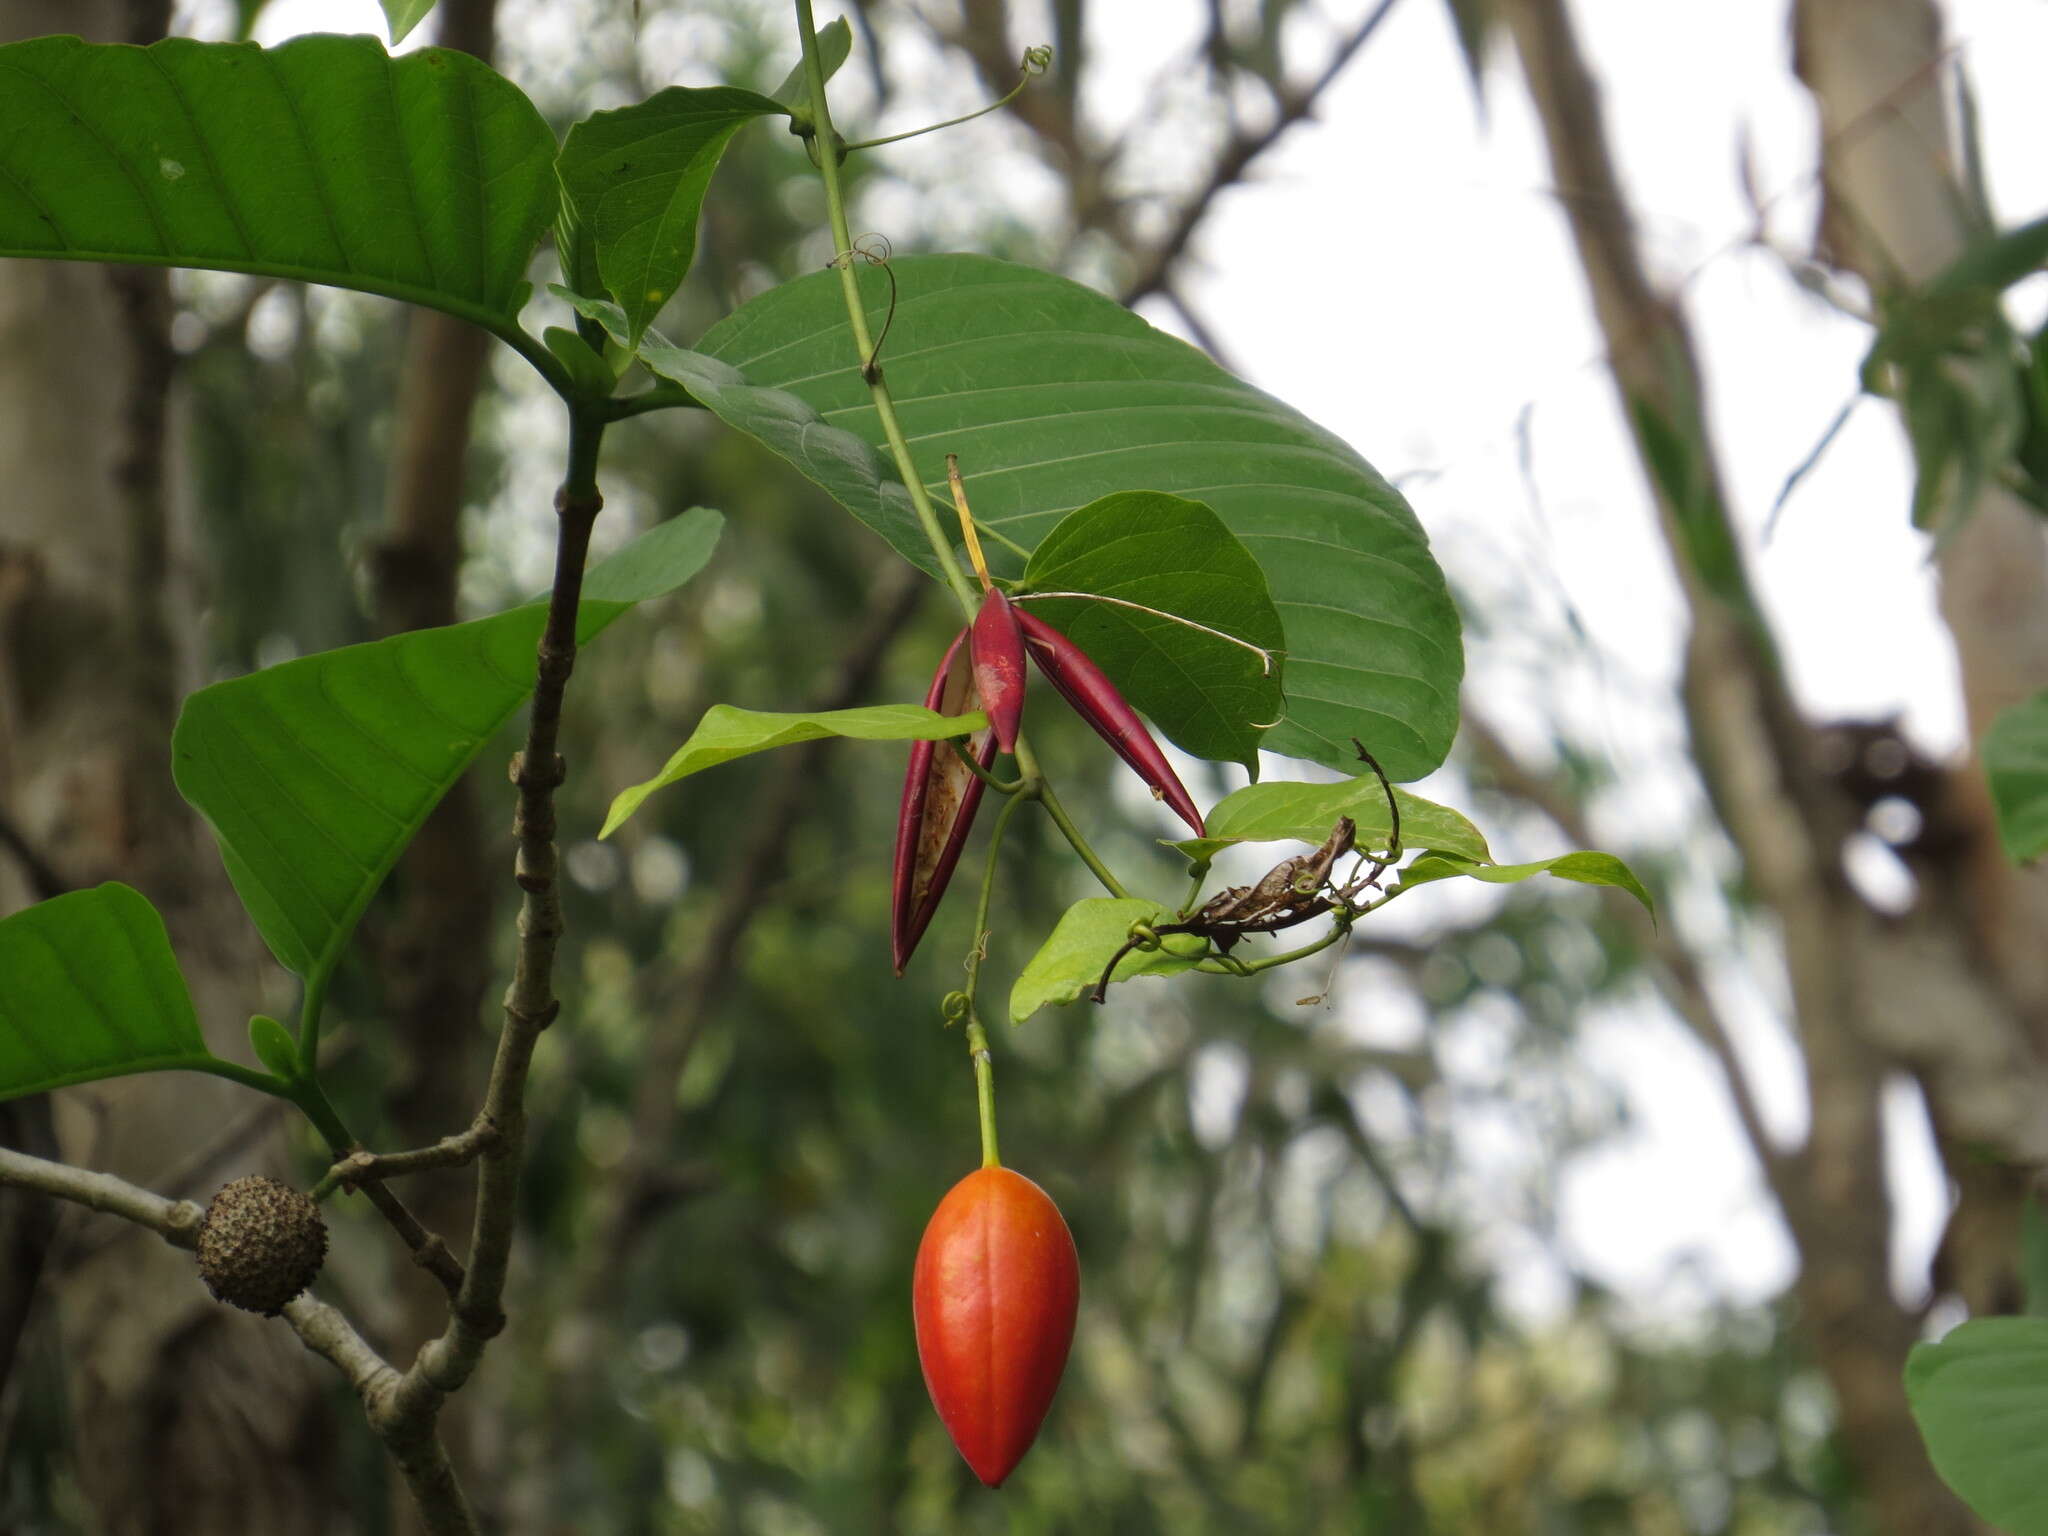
{"x":427,"y":178}
{"x":316,"y":773}
{"x":633,"y":183}
{"x":1176,"y":560}
{"x":401,"y":16}
{"x":1070,"y":962}
{"x":275,"y":1047}
{"x":835,"y":45}
{"x":89,"y":989}
{"x":1585,"y":868}
{"x":1286,"y":811}
{"x":727,"y":732}
{"x":1980,"y":1397}
{"x":2015,"y":754}
{"x":592,"y":375}
{"x":1053,"y":396}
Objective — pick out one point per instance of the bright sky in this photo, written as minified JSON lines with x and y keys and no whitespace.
{"x":1399,"y":272}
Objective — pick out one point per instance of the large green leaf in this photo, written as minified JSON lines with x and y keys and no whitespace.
{"x":1980,"y":1396}
{"x":1293,"y":812}
{"x":89,"y":989}
{"x":727,"y":732}
{"x":427,"y":178}
{"x":1053,"y":396}
{"x":633,"y":183}
{"x":316,"y":773}
{"x":1212,"y":696}
{"x":2015,"y":754}
{"x":1070,"y":962}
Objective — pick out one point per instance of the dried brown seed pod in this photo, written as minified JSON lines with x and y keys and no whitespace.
{"x":261,"y":1244}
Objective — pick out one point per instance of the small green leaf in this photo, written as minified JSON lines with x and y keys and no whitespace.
{"x":1980,"y":1396}
{"x":633,"y":184}
{"x":591,"y":374}
{"x":1585,"y":868}
{"x":1208,"y":695}
{"x":428,"y":178}
{"x":274,"y":1047}
{"x":603,"y":311}
{"x":89,"y":988}
{"x":727,"y":732}
{"x":835,"y":45}
{"x":1287,"y":811}
{"x":1070,"y":962}
{"x":316,"y":773}
{"x":401,"y":16}
{"x":2015,"y":754}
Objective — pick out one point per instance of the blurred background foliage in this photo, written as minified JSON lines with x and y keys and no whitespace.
{"x":1295,"y":1317}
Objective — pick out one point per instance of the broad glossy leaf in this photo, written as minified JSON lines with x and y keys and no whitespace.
{"x":1980,"y":1396}
{"x":633,"y":183}
{"x":89,"y":989}
{"x":1209,"y":695}
{"x":2015,"y":754}
{"x":316,"y":773}
{"x":1584,"y":868}
{"x":1070,"y":962}
{"x":427,"y":178}
{"x":1287,"y":811}
{"x":401,"y":16}
{"x":727,"y":732}
{"x":1053,"y":396}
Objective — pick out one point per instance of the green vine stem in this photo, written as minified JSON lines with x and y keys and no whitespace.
{"x":830,"y":151}
{"x":977,"y":1036}
{"x":984,"y":1091}
{"x":1041,"y":791}
{"x":1036,"y":62}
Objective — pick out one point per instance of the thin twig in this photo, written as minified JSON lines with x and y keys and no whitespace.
{"x":362,"y":1167}
{"x":1237,"y":156}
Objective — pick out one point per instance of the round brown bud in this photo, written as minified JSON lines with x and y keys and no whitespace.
{"x":260,"y":1244}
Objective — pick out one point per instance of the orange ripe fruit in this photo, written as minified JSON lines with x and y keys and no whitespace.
{"x":994,"y":1294}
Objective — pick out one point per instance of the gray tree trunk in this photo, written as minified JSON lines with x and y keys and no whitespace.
{"x":1871,"y":995}
{"x":188,"y":1417}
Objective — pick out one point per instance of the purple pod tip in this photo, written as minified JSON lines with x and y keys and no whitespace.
{"x":1096,"y":699}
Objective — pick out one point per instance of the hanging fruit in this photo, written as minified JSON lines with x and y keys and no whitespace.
{"x":993,"y":1297}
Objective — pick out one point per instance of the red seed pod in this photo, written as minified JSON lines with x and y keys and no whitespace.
{"x":940,"y":797}
{"x":993,"y":1297}
{"x":998,"y":647}
{"x":1095,"y":699}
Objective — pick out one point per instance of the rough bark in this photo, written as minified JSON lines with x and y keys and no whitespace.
{"x":1859,"y":984}
{"x":1895,"y":213}
{"x":190,"y":1417}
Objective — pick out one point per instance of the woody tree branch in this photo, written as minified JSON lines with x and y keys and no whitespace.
{"x":1785,"y":818}
{"x":1895,"y":213}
